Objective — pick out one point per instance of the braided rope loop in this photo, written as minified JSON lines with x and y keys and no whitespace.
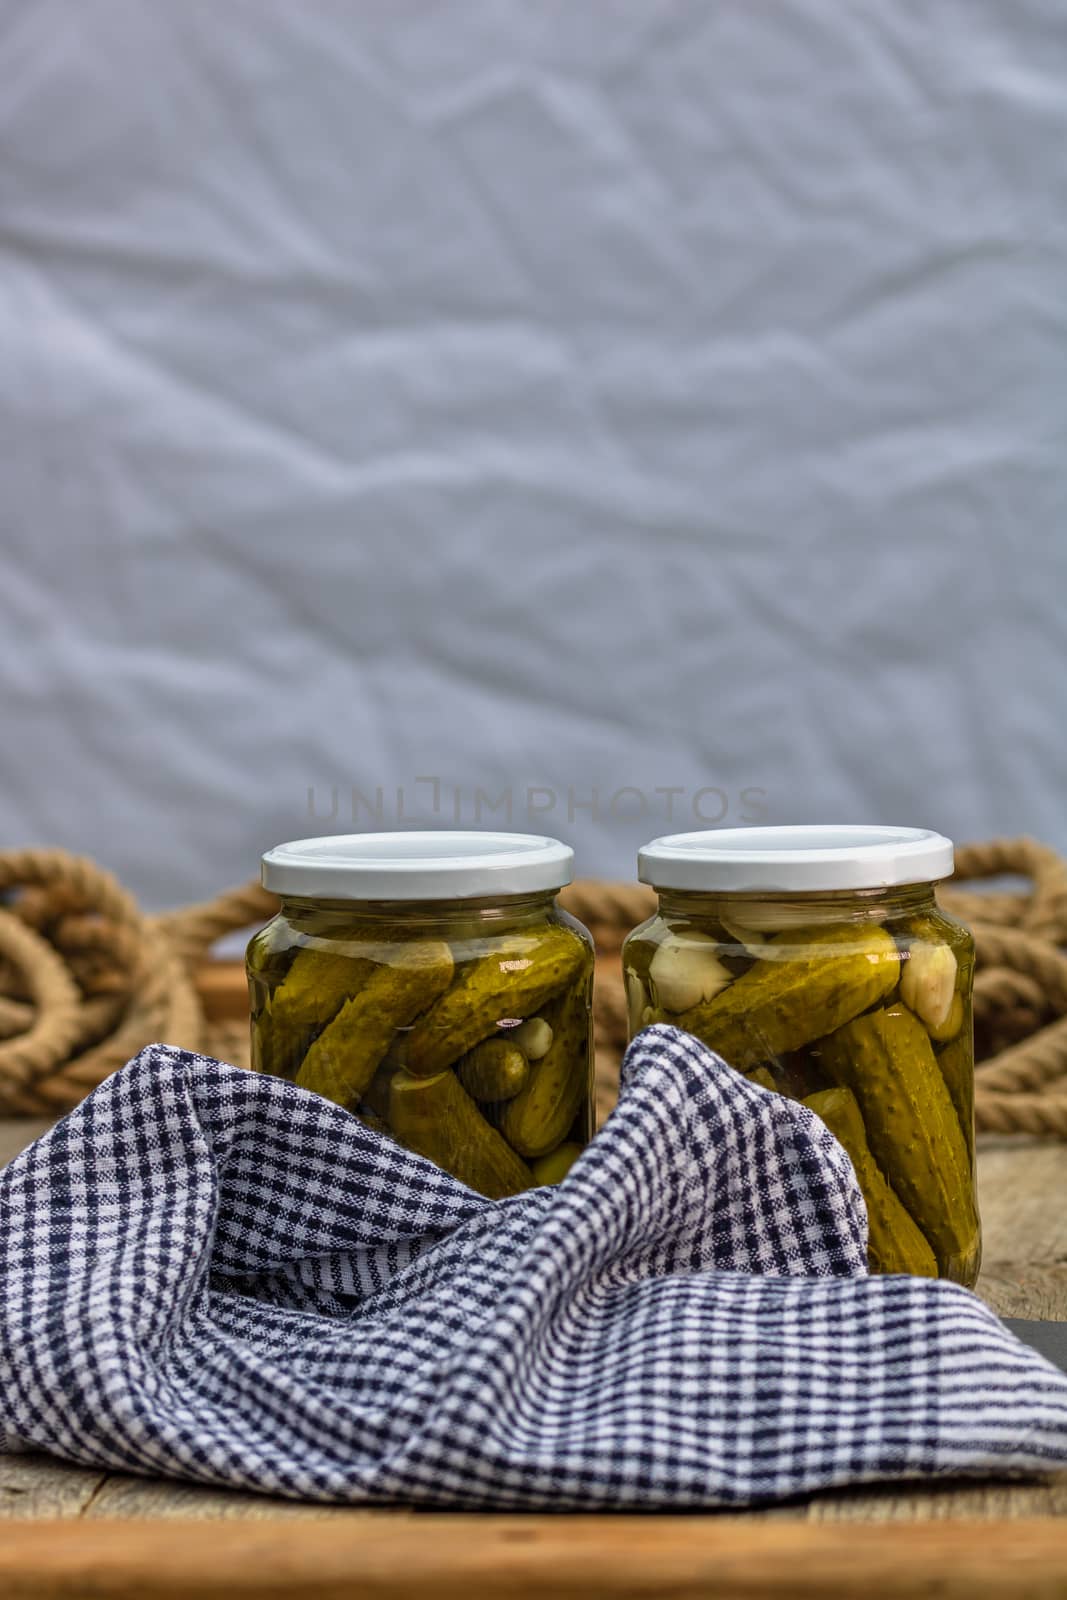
{"x":86,"y":979}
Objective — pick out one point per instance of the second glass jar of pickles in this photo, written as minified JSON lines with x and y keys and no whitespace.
{"x":430,"y":983}
{"x":816,"y":961}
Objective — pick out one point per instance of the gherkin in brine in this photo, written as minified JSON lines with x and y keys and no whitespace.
{"x":806,"y":983}
{"x":415,"y":979}
{"x":514,"y":979}
{"x":342,"y":1061}
{"x":310,"y":994}
{"x":541,"y":1114}
{"x":895,"y":1242}
{"x":494,"y":1070}
{"x":436,"y":1117}
{"x":914,"y":1133}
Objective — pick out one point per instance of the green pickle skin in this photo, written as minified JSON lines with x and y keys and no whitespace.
{"x":555,"y":1167}
{"x":774,"y":1006}
{"x":408,"y":1025}
{"x":344,"y":1058}
{"x":541,"y":1114}
{"x":814,"y":1011}
{"x":956,"y":1065}
{"x":494,"y":1070}
{"x":515,"y":979}
{"x":436,"y":1117}
{"x":310,"y":994}
{"x":888,"y":1062}
{"x":895,"y":1243}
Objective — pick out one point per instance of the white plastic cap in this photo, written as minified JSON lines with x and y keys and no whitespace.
{"x":792,"y":860}
{"x":417,"y":866}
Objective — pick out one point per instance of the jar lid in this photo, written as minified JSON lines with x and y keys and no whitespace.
{"x":417,"y":866}
{"x":791,"y":860}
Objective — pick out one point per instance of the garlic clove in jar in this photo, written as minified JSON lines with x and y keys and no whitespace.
{"x":928,"y":983}
{"x":685,"y":971}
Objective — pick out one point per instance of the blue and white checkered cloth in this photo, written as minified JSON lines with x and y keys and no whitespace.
{"x":213,"y":1275}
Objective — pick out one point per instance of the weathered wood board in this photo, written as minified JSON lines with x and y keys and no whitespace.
{"x":535,"y":1558}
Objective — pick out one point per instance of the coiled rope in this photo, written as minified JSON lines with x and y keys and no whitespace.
{"x":86,"y":978}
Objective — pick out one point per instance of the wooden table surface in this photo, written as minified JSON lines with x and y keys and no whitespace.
{"x":253,"y":1544}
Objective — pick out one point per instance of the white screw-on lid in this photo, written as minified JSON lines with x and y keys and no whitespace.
{"x":791,"y":860}
{"x":417,"y":866}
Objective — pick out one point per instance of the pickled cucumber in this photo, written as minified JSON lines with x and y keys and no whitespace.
{"x":636,"y":1003}
{"x":894,"y":1241}
{"x":541,"y":1113}
{"x":271,"y":953}
{"x":344,"y":1058}
{"x":554,"y":1167}
{"x":494,"y":1070}
{"x":436,"y":1117}
{"x":956,"y":1063}
{"x":310,"y":995}
{"x":514,"y":979}
{"x":914,"y":1133}
{"x":806,"y":983}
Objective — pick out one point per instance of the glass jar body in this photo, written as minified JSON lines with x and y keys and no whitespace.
{"x":462,"y":1028}
{"x":857,"y":1003}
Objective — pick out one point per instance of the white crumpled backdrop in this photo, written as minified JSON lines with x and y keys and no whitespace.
{"x":534,"y":395}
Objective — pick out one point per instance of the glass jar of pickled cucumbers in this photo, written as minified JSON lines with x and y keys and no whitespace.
{"x":430,"y":983}
{"x":816,"y":961}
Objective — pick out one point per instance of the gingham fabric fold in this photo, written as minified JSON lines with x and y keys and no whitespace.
{"x":222,"y":1277}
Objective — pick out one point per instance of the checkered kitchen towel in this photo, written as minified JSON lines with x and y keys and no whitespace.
{"x":219,"y":1276}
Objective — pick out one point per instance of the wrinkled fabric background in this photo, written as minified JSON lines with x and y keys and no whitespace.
{"x":513,"y":393}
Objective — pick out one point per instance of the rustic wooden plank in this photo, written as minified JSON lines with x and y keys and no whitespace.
{"x":1034,"y":1291}
{"x":119,"y":1495}
{"x":936,"y":1502}
{"x":37,"y":1486}
{"x":223,"y":990}
{"x":534,"y":1558}
{"x":1022,"y":1185}
{"x":141,"y":1498}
